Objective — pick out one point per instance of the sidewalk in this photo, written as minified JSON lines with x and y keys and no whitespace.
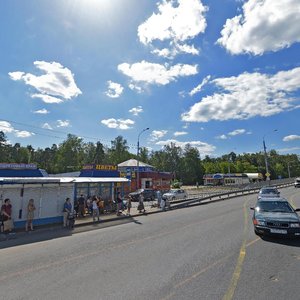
{"x":59,"y":230}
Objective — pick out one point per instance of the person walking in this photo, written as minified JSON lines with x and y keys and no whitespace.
{"x":30,"y":215}
{"x":141,"y":207}
{"x":6,"y":211}
{"x":67,"y":210}
{"x":158,"y":196}
{"x":129,"y":204}
{"x":163,"y":204}
{"x":119,"y":203}
{"x":81,"y":206}
{"x":95,"y":209}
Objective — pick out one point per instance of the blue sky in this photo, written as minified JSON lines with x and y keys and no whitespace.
{"x":220,"y":75}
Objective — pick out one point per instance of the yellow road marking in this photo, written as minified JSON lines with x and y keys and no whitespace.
{"x":238,"y":268}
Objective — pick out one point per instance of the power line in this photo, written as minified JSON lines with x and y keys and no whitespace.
{"x":105,"y":142}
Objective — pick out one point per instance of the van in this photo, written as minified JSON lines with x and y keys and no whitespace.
{"x":297,"y":182}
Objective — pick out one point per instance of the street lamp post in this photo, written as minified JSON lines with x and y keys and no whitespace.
{"x":266,"y":157}
{"x":138,"y":161}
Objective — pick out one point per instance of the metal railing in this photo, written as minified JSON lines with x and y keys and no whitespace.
{"x":231,"y":192}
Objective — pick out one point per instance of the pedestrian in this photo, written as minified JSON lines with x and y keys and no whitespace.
{"x":30,"y":215}
{"x":129,"y":204}
{"x":158,"y":196}
{"x":95,"y":209}
{"x":119,"y":203}
{"x":6,"y":211}
{"x":67,"y":211}
{"x":141,"y":206}
{"x":100,"y":204}
{"x":163,"y":204}
{"x":81,"y":206}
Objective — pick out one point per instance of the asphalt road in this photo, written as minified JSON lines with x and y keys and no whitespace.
{"x":203,"y":252}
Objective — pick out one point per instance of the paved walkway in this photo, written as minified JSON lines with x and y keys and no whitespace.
{"x":58,"y":230}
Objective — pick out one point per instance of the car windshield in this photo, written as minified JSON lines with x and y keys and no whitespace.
{"x":274,"y":206}
{"x":268,"y":191}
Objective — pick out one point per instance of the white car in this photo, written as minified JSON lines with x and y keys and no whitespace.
{"x":175,"y":194}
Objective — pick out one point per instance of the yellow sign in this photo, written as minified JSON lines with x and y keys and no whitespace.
{"x":268,"y":174}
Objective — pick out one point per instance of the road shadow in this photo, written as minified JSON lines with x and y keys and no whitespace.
{"x":292,"y":242}
{"x":57,"y":231}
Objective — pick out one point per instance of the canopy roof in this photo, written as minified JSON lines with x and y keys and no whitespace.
{"x":45,"y":180}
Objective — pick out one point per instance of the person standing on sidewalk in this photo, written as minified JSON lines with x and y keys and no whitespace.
{"x":95,"y":209}
{"x":81,"y":206}
{"x":163,"y":204}
{"x":6,"y":211}
{"x":119,"y":203}
{"x":67,"y":210}
{"x":30,"y":215}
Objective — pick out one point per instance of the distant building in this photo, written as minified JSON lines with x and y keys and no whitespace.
{"x":149,"y":177}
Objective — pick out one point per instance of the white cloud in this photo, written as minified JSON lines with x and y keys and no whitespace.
{"x":290,"y":138}
{"x":204,"y":148}
{"x":47,"y":126}
{"x":291,"y":150}
{"x":236,"y":132}
{"x":151,"y":73}
{"x":47,"y":99}
{"x":115,"y":90}
{"x":176,"y":22}
{"x":198,"y":88}
{"x":136,"y":110}
{"x":264,"y":25}
{"x":222,"y":137}
{"x":178,"y":133}
{"x":118,"y":124}
{"x":157,"y":134}
{"x":57,"y":82}
{"x":247,"y":95}
{"x":23,"y":133}
{"x":136,"y":88}
{"x":61,"y":123}
{"x":6,"y":127}
{"x":42,"y":111}
{"x":175,"y":50}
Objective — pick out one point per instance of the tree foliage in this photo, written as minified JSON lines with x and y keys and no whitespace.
{"x":185,"y":164}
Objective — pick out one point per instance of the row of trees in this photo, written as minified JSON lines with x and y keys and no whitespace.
{"x":185,"y":164}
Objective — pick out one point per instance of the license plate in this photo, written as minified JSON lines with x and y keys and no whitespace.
{"x":281,"y":231}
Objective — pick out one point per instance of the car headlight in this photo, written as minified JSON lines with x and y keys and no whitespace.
{"x":259,"y":222}
{"x":295,"y":225}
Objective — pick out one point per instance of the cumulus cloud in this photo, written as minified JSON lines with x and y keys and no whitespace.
{"x":246,"y":96}
{"x":55,"y":86}
{"x":136,"y":110}
{"x":175,"y":22}
{"x":264,"y":25}
{"x":203,"y":148}
{"x":157,"y":134}
{"x":198,"y":88}
{"x":151,"y":73}
{"x":23,"y":133}
{"x":61,"y":123}
{"x":236,"y":132}
{"x":42,"y":111}
{"x":118,"y":123}
{"x":6,"y":127}
{"x":136,"y":88}
{"x":291,"y":138}
{"x":115,"y":90}
{"x":179,"y":133}
{"x":222,"y":137}
{"x":47,"y":126}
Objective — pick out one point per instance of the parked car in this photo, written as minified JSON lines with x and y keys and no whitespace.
{"x":297,"y":182}
{"x":269,"y":191}
{"x":275,"y":216}
{"x":149,"y":195}
{"x":174,"y":194}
